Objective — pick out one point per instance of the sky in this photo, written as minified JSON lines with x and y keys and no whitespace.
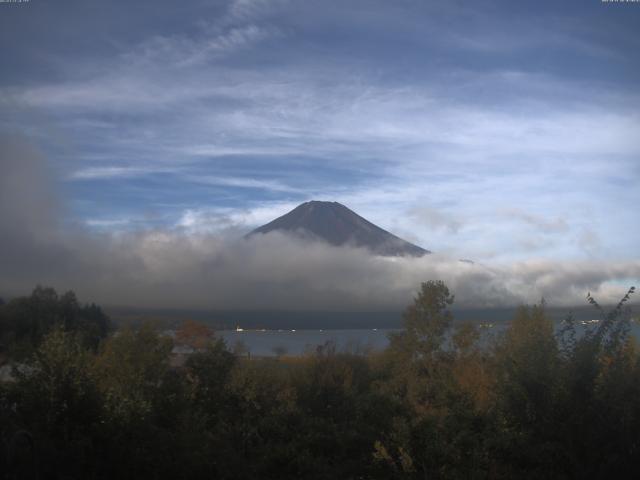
{"x":503,"y":132}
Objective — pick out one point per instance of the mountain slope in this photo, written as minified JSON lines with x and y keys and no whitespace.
{"x":336,"y":224}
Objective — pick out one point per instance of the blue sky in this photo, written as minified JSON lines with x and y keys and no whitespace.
{"x":497,"y":131}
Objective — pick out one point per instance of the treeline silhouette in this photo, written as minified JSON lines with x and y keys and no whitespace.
{"x":84,"y":401}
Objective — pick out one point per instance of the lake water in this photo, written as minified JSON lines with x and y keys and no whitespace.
{"x":299,"y":342}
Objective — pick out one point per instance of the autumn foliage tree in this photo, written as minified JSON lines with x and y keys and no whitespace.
{"x":194,"y":334}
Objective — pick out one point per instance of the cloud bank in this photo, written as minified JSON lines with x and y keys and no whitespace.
{"x":183,"y":267}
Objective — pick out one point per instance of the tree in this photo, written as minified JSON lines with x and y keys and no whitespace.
{"x":209,"y":372}
{"x":26,"y":320}
{"x":529,"y":392}
{"x":418,"y":362}
{"x":139,"y":391}
{"x":426,"y":321}
{"x":438,"y":430}
{"x":601,"y":414}
{"x":129,"y":369}
{"x":471,"y":369}
{"x":59,"y":402}
{"x":194,"y":334}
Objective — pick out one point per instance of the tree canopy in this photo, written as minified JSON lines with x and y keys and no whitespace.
{"x":539,"y":401}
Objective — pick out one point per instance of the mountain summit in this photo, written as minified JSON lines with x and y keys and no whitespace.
{"x":336,"y":224}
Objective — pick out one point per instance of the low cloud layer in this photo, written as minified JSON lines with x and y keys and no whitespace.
{"x":182,"y":268}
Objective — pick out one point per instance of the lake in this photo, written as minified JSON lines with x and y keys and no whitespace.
{"x":299,"y":342}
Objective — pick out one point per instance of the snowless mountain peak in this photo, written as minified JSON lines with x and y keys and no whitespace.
{"x":338,"y":225}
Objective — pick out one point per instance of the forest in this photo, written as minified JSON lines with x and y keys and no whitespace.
{"x":88,"y":401}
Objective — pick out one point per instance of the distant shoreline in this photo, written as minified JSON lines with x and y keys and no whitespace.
{"x":314,"y":320}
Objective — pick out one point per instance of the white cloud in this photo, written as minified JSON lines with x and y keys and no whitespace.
{"x":436,"y":219}
{"x":233,"y":221}
{"x":242,"y":182}
{"x":93,"y":173}
{"x":539,"y":222}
